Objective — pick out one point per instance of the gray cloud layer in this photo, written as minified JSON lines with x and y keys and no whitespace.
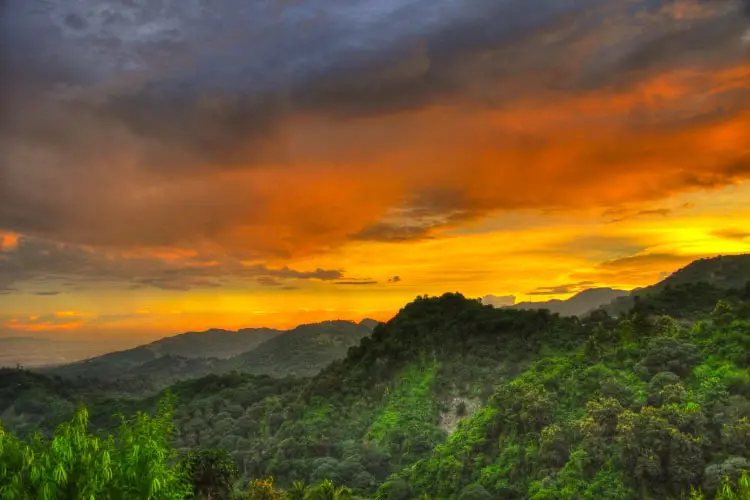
{"x":43,"y":263}
{"x":183,"y":83}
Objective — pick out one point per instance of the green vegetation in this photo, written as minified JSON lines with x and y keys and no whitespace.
{"x":134,"y":463}
{"x":406,"y":422}
{"x":455,"y":400}
{"x":693,"y":290}
{"x":302,"y":351}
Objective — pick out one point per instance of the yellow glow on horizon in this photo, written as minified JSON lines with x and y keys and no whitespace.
{"x":496,"y":257}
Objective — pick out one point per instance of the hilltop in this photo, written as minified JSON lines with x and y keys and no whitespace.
{"x":707,"y":277}
{"x":193,"y":348}
{"x":577,"y":305}
{"x":723,"y":271}
{"x":213,"y":343}
{"x":303,"y":350}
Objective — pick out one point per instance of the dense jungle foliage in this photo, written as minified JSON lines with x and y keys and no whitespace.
{"x":455,"y":400}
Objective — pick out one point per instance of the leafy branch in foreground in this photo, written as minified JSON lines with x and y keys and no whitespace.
{"x":134,"y":463}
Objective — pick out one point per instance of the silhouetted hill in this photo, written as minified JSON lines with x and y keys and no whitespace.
{"x":724,"y":271}
{"x":577,"y":305}
{"x":369,"y":323}
{"x":302,"y":351}
{"x":706,"y":277}
{"x":198,"y":346}
{"x":214,"y":343}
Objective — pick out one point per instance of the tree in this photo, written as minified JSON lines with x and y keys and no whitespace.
{"x":475,"y":492}
{"x":722,"y":313}
{"x":263,"y":489}
{"x":211,"y":472}
{"x":735,"y":491}
{"x":328,"y":491}
{"x":716,"y":475}
{"x":145,"y":461}
{"x":298,"y":491}
{"x":136,"y":463}
{"x":669,"y":354}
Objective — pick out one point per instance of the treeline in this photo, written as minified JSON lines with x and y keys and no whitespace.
{"x":456,"y":400}
{"x":137,"y":462}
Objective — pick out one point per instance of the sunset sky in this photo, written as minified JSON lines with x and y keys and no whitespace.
{"x":178,"y":165}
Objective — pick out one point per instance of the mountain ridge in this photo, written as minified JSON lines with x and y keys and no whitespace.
{"x":719,"y":272}
{"x":163,"y":361}
{"x":579,"y":304}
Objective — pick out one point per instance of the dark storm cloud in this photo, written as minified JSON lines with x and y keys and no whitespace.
{"x":644,"y":260}
{"x":563,"y":289}
{"x":383,"y":231}
{"x":268,"y":281}
{"x":190,"y":86}
{"x":41,"y":262}
{"x":621,"y":213}
{"x":663,"y":212}
{"x":114,"y":112}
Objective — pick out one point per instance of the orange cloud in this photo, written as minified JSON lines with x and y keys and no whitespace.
{"x":578,"y":115}
{"x":73,"y":314}
{"x":456,"y":163}
{"x":38,"y":325}
{"x":8,"y":241}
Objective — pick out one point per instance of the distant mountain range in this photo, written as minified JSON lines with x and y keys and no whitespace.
{"x":194,"y":352}
{"x":726,"y":272}
{"x":723,"y":272}
{"x":306,"y":349}
{"x":301,"y":351}
{"x":577,"y":305}
{"x":214,"y":343}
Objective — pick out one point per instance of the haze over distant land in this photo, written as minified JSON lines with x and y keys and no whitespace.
{"x":181,"y":165}
{"x":31,"y":351}
{"x":304,"y":350}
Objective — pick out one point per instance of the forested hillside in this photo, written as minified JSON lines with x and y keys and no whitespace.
{"x":301,"y":351}
{"x":725,"y":272}
{"x":455,"y":400}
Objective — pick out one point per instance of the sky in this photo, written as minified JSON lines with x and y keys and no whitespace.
{"x":175,"y":165}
